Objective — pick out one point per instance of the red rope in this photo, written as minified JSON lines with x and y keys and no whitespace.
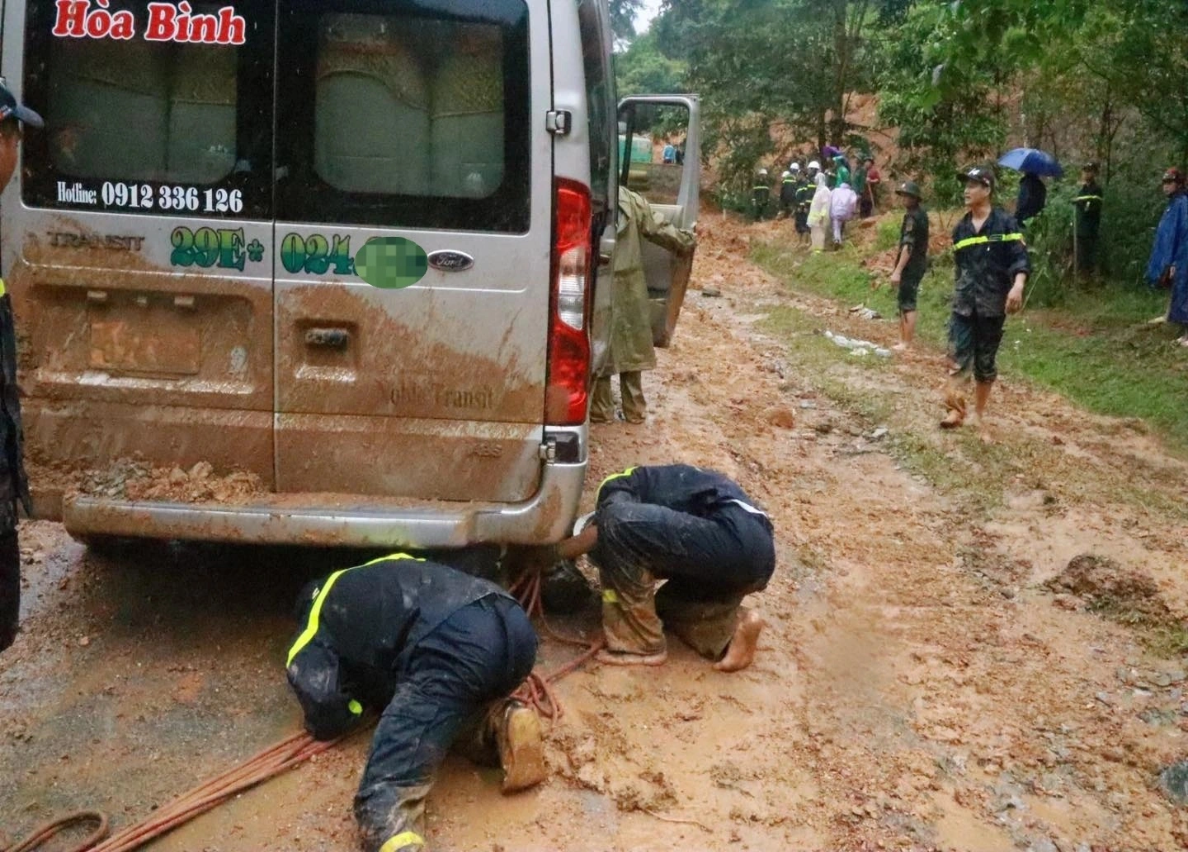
{"x":537,"y":690}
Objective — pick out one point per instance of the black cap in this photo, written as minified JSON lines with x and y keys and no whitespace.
{"x":9,"y":108}
{"x":911,"y":188}
{"x":981,"y":174}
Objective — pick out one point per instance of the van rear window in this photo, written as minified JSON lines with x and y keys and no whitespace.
{"x":150,"y":113}
{"x":410,"y":114}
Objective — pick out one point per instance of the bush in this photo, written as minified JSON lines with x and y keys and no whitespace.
{"x":1049,"y":244}
{"x":887,"y":232}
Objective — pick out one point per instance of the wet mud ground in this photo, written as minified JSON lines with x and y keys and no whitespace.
{"x":921,"y":684}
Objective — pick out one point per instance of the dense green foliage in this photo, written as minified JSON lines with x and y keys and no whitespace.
{"x":1102,"y":80}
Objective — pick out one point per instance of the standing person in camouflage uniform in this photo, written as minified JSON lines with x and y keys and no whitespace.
{"x":631,"y":350}
{"x":14,"y":487}
{"x":912,"y":262}
{"x":697,"y":531}
{"x":991,"y":270}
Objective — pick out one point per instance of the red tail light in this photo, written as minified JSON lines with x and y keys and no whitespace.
{"x":568,"y":390}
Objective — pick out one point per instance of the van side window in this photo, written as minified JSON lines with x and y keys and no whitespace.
{"x":405,"y":114}
{"x":132,"y":120}
{"x":600,"y":101}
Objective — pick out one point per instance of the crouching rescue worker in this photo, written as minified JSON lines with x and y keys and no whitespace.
{"x":439,"y":652}
{"x":695,"y":529}
{"x":14,"y":487}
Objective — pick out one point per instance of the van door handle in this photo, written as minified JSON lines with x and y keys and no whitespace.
{"x":328,"y":338}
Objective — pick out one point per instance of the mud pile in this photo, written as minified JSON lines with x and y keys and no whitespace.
{"x":1105,"y":585}
{"x":137,"y":479}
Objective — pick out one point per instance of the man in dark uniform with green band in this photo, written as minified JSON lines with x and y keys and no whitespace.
{"x":912,"y":262}
{"x":991,"y":270}
{"x":1088,"y":220}
{"x":14,"y":487}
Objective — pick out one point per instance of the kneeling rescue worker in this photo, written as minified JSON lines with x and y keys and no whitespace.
{"x":699,"y":531}
{"x":440,"y":652}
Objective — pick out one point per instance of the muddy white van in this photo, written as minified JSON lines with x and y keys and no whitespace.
{"x":330,"y":272}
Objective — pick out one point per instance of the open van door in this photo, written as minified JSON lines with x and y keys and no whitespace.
{"x":660,"y":158}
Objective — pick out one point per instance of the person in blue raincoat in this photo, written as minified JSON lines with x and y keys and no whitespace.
{"x":1169,"y":255}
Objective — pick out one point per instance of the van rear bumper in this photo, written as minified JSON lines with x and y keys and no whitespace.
{"x":342,"y":520}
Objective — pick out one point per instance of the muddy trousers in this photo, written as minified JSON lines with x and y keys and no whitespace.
{"x":710,"y":563}
{"x":635,"y":407}
{"x":477,"y":656}
{"x":10,"y":587}
{"x":974,"y":340}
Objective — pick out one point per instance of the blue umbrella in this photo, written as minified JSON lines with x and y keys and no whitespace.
{"x":1032,"y":160}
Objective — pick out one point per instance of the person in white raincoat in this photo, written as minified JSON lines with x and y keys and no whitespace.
{"x":843,"y":203}
{"x":818,"y":218}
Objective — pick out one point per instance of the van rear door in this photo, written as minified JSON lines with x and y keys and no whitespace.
{"x":412,"y":248}
{"x":137,"y":260}
{"x":650,"y":124}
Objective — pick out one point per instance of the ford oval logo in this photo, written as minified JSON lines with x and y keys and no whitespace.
{"x":450,"y":261}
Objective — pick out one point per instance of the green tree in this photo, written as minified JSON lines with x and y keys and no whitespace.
{"x":643,"y":69}
{"x":622,"y":14}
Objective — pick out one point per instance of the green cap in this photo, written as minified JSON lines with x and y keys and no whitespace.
{"x":910,"y":187}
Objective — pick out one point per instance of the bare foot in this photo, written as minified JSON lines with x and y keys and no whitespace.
{"x":900,"y":347}
{"x":614,"y":658}
{"x":741,"y":652}
{"x":953,"y":420}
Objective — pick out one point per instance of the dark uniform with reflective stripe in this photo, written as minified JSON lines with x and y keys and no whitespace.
{"x":428,"y":644}
{"x":804,"y":200}
{"x":913,"y":238}
{"x":760,"y":197}
{"x":1088,"y":222}
{"x":986,"y":265}
{"x":14,"y":486}
{"x":693,"y":527}
{"x":788,"y":196}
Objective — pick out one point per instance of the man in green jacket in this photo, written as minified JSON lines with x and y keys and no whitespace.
{"x":630,"y":351}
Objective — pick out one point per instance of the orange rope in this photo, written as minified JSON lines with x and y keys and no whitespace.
{"x":268,"y":763}
{"x":49,"y":829}
{"x":537,"y":690}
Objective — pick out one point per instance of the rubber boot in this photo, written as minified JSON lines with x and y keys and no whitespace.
{"x":521,"y":747}
{"x":393,"y":820}
{"x":630,"y":623}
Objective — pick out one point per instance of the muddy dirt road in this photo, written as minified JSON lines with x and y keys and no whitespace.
{"x":932,"y":676}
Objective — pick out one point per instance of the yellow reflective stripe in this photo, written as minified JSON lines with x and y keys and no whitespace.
{"x":993,"y":238}
{"x":3,"y":289}
{"x":391,"y":557}
{"x":315,"y":611}
{"x":311,"y":628}
{"x":404,"y":838}
{"x":609,"y":596}
{"x":1087,"y":198}
{"x":355,"y":707}
{"x":619,"y":475}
